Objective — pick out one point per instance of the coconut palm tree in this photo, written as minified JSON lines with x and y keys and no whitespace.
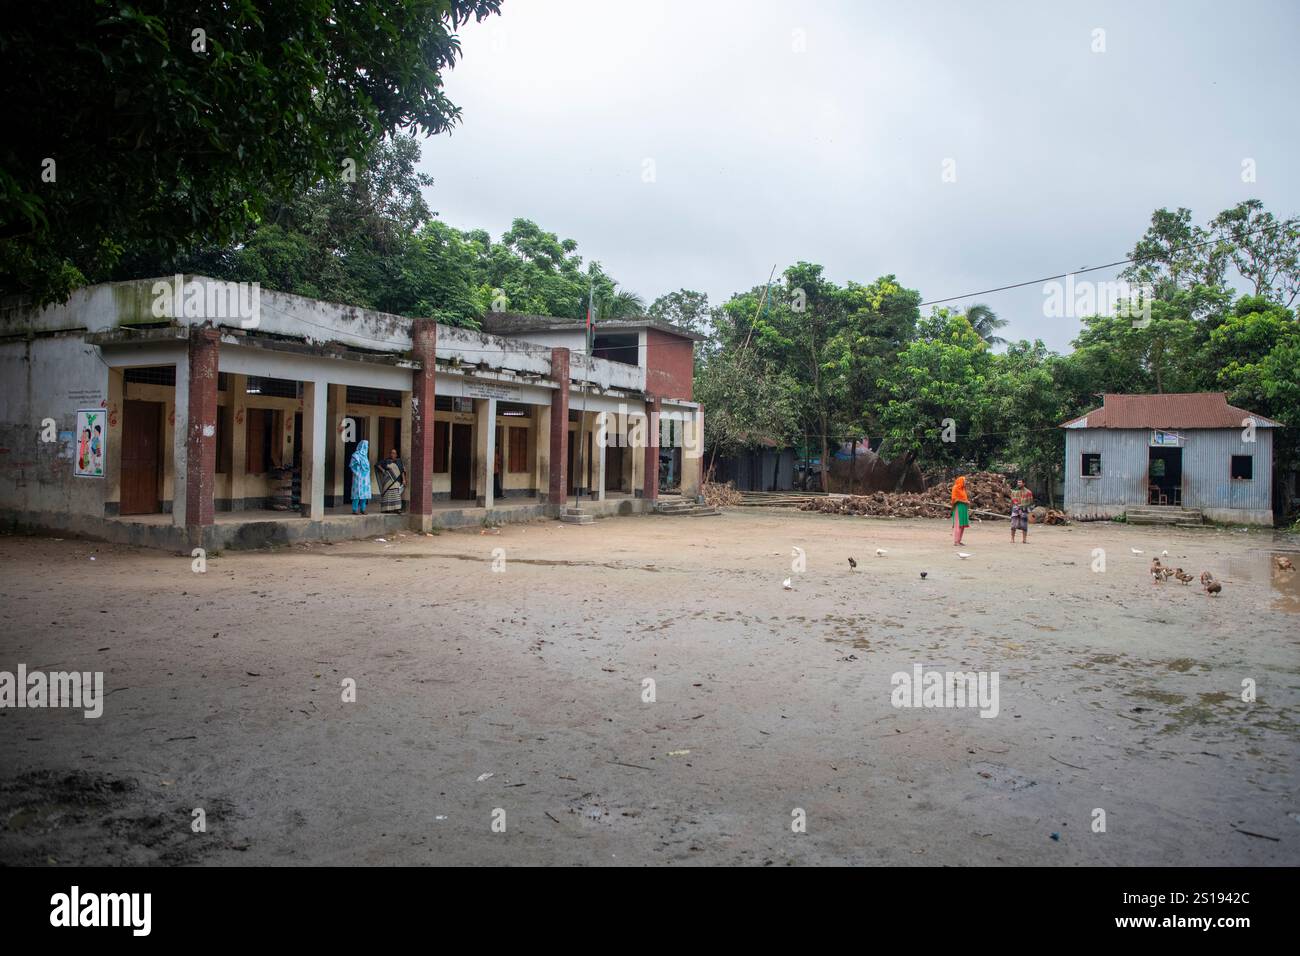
{"x":621,"y":305}
{"x":985,"y":322}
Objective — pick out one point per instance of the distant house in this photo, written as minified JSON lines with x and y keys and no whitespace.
{"x":1190,"y":452}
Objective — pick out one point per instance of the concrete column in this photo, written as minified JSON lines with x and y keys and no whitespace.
{"x":603,"y":436}
{"x":373,"y":449}
{"x":636,"y":454}
{"x":559,"y":438}
{"x":424,"y":345}
{"x":485,"y":447}
{"x":542,"y":451}
{"x":238,"y":406}
{"x":200,"y":431}
{"x":627,"y":480}
{"x":580,"y":458}
{"x":113,"y":441}
{"x":693,"y":454}
{"x":405,"y":450}
{"x":173,"y":441}
{"x":315,"y":398}
{"x":650,"y":488}
{"x":335,"y":452}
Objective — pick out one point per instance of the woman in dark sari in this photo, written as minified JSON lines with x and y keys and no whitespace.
{"x":392,"y":481}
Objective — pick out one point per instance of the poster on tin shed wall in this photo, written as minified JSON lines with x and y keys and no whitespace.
{"x":88,"y":457}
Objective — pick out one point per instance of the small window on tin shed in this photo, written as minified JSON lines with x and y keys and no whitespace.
{"x":1091,"y":466}
{"x":1243,"y":467}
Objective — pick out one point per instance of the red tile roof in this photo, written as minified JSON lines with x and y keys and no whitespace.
{"x":1176,"y":410}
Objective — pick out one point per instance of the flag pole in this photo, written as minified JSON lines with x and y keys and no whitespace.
{"x":591,"y":341}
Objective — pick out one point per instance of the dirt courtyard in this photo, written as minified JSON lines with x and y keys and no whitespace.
{"x":506,"y":689}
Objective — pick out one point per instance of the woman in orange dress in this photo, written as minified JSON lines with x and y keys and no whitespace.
{"x":960,"y":510}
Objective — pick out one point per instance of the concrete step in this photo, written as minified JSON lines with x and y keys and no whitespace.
{"x":686,"y":510}
{"x":1175,"y":517}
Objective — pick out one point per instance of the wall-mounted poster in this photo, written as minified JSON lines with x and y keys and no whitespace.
{"x":88,"y":457}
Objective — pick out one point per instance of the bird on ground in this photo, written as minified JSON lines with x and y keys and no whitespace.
{"x":1167,"y":573}
{"x":1283,"y":564}
{"x":963,"y":555}
{"x":1164,"y":554}
{"x":1183,"y":576}
{"x":787,"y":585}
{"x":881,"y":552}
{"x":1157,"y":571}
{"x":1136,"y":551}
{"x":923,"y":574}
{"x":1212,"y":588}
{"x":1206,"y":577}
{"x":852,"y":564}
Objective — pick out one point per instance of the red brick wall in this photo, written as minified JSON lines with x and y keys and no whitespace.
{"x":670,"y":365}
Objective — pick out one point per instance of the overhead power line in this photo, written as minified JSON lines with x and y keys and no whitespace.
{"x":1109,"y":265}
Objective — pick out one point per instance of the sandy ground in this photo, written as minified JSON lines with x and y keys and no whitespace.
{"x":224,"y":693}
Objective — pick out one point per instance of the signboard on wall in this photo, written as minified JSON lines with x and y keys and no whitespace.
{"x":89,"y":443}
{"x":498,"y":390}
{"x":1163,"y":439}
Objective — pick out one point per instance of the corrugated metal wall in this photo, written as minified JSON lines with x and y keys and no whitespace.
{"x":1207,"y":459}
{"x":753,"y":471}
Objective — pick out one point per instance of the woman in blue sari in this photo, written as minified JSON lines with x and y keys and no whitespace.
{"x":360,"y":465}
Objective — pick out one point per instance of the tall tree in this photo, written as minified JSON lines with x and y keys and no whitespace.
{"x":1175,"y":253}
{"x":1029,"y":401}
{"x":684,"y":308}
{"x":985,"y":322}
{"x":160,"y":126}
{"x":1264,"y":250}
{"x":939,"y":400}
{"x":620,"y":304}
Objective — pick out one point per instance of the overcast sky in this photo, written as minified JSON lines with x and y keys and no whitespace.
{"x":818,"y":131}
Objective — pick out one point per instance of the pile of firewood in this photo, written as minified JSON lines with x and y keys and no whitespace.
{"x":989,"y":493}
{"x":1041,"y":515}
{"x":716,"y":494}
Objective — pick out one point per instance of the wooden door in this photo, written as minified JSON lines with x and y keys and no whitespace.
{"x":141,"y":457}
{"x":614,"y":468}
{"x":462,"y":442}
{"x":390,"y":436}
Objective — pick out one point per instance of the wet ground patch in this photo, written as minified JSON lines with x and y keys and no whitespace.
{"x":83,"y":818}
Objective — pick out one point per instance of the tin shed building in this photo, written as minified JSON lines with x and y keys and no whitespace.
{"x":1182,"y":455}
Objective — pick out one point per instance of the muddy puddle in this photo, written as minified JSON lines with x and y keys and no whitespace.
{"x":1260,"y":567}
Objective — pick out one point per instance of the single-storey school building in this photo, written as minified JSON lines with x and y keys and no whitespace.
{"x":185,"y":411}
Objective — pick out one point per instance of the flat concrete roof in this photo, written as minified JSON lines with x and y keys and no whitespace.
{"x":515,"y":323}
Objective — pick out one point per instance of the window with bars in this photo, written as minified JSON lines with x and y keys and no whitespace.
{"x":275,"y":387}
{"x":152,"y":375}
{"x":358,"y":395}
